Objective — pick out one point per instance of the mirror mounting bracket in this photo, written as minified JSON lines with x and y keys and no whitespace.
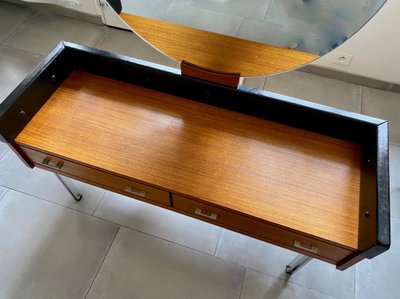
{"x":223,"y":78}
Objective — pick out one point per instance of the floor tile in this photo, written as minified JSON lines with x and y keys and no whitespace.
{"x":263,"y":32}
{"x":255,"y":82}
{"x":320,"y":19}
{"x":278,"y":35}
{"x":3,"y":148}
{"x":12,"y":16}
{"x":48,"y":251}
{"x":43,"y":32}
{"x":149,"y":8}
{"x":270,"y":259}
{"x":3,"y":191}
{"x":385,"y":105}
{"x":142,"y":266}
{"x":256,"y":9}
{"x":261,"y":286}
{"x":202,"y":19}
{"x":252,"y":253}
{"x":394,"y":164}
{"x":130,"y":44}
{"x":317,"y":89}
{"x":15,"y":65}
{"x":377,"y":278}
{"x":44,"y":184}
{"x":159,"y":222}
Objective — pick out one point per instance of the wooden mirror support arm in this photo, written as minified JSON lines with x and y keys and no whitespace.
{"x":223,"y":78}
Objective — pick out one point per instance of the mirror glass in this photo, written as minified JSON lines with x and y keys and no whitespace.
{"x":253,"y":38}
{"x":247,"y":31}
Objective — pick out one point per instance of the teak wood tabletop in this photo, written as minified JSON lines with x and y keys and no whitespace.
{"x":264,"y":170}
{"x":215,"y":51}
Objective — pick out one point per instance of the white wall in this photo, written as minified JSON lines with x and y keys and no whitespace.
{"x":376,"y":47}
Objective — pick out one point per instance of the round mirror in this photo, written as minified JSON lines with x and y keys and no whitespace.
{"x":256,"y":37}
{"x":252,"y":38}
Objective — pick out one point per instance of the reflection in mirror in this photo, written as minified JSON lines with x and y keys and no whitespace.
{"x":302,"y":29}
{"x":256,"y":37}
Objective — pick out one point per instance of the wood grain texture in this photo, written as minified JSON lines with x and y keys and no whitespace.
{"x":267,"y":232}
{"x":271,"y":172}
{"x":191,"y":70}
{"x":216,"y":51}
{"x":100,"y":177}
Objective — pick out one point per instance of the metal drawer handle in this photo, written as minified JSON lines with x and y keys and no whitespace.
{"x":312,"y":249}
{"x":200,"y":212}
{"x":140,"y":193}
{"x":47,"y":161}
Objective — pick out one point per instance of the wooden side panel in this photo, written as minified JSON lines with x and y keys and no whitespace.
{"x":349,"y":261}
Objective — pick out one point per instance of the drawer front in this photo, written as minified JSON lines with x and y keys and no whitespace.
{"x":266,"y":232}
{"x":125,"y":186}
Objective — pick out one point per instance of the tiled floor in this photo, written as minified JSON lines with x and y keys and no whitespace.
{"x":109,"y":246}
{"x":26,"y":36}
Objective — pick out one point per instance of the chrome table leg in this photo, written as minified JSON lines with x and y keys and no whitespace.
{"x":298,"y":262}
{"x":69,"y":184}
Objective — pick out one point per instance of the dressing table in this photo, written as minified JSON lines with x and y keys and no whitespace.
{"x":303,"y":176}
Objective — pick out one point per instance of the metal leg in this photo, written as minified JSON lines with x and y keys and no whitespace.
{"x":69,"y":184}
{"x":298,"y":262}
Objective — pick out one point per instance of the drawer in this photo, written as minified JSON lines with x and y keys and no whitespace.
{"x":122,"y":185}
{"x":260,"y":230}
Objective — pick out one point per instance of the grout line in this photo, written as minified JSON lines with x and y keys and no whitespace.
{"x":158,"y":237}
{"x":33,"y":14}
{"x":354,"y":282}
{"x":394,"y":144}
{"x":161,"y":17}
{"x":4,"y":154}
{"x":244,"y":278}
{"x":219,"y":238}
{"x":264,"y":87}
{"x":268,"y":9}
{"x":214,"y":10}
{"x":41,"y":56}
{"x":101,"y":37}
{"x":111,"y":222}
{"x":240,"y":26}
{"x":52,"y":202}
{"x":98,"y":204}
{"x":1,"y":197}
{"x":287,"y":280}
{"x":395,"y":217}
{"x":362,"y":99}
{"x":102,"y":262}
